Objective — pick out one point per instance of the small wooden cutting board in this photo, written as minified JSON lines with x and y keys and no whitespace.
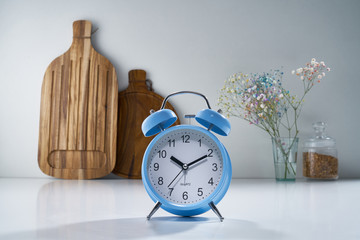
{"x":78,"y":117}
{"x":135,"y":104}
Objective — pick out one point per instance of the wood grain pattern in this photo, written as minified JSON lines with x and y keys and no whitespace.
{"x":135,"y":104}
{"x":78,"y":117}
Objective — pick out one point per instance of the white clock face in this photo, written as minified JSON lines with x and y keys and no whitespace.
{"x":185,"y":166}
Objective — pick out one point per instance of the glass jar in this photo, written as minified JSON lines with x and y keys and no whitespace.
{"x":320,"y":155}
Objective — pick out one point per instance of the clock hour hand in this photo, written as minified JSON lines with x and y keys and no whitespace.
{"x":177,"y":161}
{"x":197,"y":160}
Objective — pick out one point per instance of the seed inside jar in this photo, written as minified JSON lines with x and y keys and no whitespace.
{"x":320,"y":166}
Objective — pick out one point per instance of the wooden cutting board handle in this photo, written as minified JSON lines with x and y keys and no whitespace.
{"x":82,"y":29}
{"x":137,"y":81}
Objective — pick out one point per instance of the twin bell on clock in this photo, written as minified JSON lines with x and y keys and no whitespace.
{"x":186,"y":170}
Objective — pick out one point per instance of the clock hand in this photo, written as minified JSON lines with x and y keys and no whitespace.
{"x":176,"y":177}
{"x":197,"y":160}
{"x":177,"y":161}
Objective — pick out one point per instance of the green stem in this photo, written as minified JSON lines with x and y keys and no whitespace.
{"x":286,"y":156}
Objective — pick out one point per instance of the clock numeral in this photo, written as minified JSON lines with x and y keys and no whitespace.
{"x":200,"y":192}
{"x":215,"y":167}
{"x":185,"y":138}
{"x":162,"y":154}
{"x":160,"y":181}
{"x":171,"y":190}
{"x":156,"y":166}
{"x":210,"y":152}
{"x":199,"y":142}
{"x":171,"y":143}
{"x":211,"y":181}
{"x":185,"y":195}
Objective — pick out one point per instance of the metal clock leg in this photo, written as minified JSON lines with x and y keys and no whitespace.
{"x":157,"y":206}
{"x":216,"y":211}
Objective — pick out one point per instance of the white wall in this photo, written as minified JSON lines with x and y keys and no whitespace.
{"x":186,"y":45}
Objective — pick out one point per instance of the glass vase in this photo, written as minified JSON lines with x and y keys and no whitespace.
{"x":285,"y":157}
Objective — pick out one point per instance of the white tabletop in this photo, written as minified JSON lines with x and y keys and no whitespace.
{"x":117,"y":209}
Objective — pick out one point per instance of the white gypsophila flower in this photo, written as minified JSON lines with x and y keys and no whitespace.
{"x":293,"y":72}
{"x":323,"y":74}
{"x":299,"y":70}
{"x":320,"y":77}
{"x":302,"y":77}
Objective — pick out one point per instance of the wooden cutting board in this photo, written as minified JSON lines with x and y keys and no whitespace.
{"x":135,"y":104}
{"x":78,"y":117}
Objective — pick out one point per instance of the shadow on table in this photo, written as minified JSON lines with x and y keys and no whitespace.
{"x":156,"y":228}
{"x":73,"y":201}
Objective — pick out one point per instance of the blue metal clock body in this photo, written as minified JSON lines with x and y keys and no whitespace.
{"x":186,"y":170}
{"x":198,"y":207}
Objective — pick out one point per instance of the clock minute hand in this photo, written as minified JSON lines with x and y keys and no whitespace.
{"x":197,"y":160}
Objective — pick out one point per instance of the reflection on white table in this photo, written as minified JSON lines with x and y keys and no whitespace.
{"x":117,"y":209}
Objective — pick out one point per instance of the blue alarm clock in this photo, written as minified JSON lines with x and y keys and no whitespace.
{"x":186,"y":170}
